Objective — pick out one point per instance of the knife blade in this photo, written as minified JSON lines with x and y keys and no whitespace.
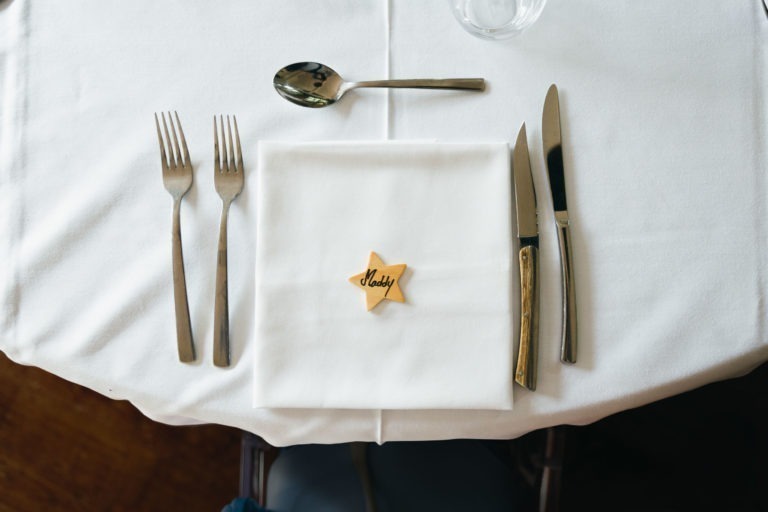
{"x":553,"y":152}
{"x":528,"y":256}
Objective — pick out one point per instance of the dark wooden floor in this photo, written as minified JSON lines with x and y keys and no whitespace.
{"x":66,"y":448}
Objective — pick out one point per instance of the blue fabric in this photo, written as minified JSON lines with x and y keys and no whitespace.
{"x":316,"y":478}
{"x":243,"y":505}
{"x":447,"y":476}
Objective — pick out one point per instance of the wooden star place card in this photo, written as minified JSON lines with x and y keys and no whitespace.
{"x":380,"y":281}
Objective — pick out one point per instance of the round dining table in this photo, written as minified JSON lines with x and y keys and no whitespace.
{"x":664,"y":137}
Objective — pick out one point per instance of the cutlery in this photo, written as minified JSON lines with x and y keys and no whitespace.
{"x":177,"y":179}
{"x":311,"y":84}
{"x":553,"y":152}
{"x":528,"y":235}
{"x":228,"y":179}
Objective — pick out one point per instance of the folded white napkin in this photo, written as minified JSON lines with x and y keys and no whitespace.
{"x":443,"y":210}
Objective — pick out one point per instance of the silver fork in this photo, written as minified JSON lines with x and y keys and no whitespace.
{"x":177,"y":178}
{"x":228,"y":179}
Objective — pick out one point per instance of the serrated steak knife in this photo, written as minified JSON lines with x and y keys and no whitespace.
{"x":553,"y":152}
{"x":528,"y":234}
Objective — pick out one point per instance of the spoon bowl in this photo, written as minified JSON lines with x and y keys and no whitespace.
{"x":309,"y":84}
{"x":315,"y":85}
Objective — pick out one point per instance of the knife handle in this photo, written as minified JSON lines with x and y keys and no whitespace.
{"x":568,"y":343}
{"x":525,"y":372}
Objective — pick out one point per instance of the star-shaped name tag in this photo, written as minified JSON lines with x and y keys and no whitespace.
{"x":380,"y":281}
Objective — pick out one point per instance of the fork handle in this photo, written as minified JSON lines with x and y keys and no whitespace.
{"x":221,"y":355}
{"x":184,"y":341}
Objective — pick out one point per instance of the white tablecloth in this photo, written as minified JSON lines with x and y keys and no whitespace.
{"x":664,"y":119}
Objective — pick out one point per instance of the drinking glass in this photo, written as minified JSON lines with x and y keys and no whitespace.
{"x":496,"y":19}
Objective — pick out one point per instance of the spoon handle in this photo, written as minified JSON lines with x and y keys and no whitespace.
{"x":473,"y":84}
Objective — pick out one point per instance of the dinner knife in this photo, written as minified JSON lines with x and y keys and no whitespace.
{"x":553,"y":152}
{"x":528,"y":256}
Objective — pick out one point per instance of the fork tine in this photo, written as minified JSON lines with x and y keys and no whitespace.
{"x":171,"y":158}
{"x":239,"y":149}
{"x":163,"y":156}
{"x":238,"y":163}
{"x":176,"y":147}
{"x":216,"y":161}
{"x":223,"y":140}
{"x":183,"y":139}
{"x":231,"y":159}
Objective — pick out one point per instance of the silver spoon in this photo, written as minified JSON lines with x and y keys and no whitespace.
{"x":311,"y":84}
